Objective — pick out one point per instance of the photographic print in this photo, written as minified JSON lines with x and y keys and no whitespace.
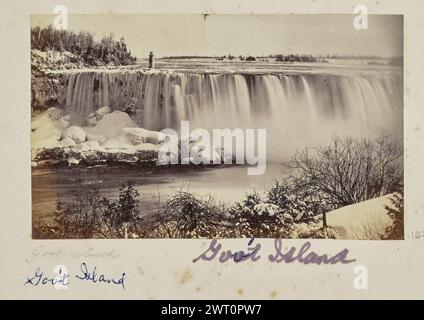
{"x":211,"y":126}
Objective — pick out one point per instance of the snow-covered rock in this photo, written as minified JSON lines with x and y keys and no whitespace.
{"x":115,"y":134}
{"x":114,"y":143}
{"x":46,"y":129}
{"x":54,"y":113}
{"x":66,"y":142}
{"x":74,"y":133}
{"x":102,"y":111}
{"x":62,"y":123}
{"x":136,"y":136}
{"x":109,"y":126}
{"x":147,"y":147}
{"x":89,"y":145}
{"x":46,"y":118}
{"x":91,"y":121}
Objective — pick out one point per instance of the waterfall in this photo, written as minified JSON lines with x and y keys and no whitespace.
{"x":290,"y":107}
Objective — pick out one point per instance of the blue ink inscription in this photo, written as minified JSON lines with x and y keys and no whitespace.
{"x":238,"y":256}
{"x":95,"y":277}
{"x":304,"y":255}
{"x":39,"y":279}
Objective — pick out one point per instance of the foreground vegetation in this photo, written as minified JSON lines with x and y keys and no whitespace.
{"x":319,"y":180}
{"x":82,"y":44}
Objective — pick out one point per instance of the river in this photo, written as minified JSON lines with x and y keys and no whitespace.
{"x":226,"y":183}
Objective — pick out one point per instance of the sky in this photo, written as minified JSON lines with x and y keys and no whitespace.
{"x":178,"y":34}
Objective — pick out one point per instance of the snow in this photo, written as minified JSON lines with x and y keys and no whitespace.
{"x":74,"y":133}
{"x":111,"y":132}
{"x":266,"y":208}
{"x":109,"y":126}
{"x":102,"y":111}
{"x":67,"y":142}
{"x":114,"y":132}
{"x":136,"y":136}
{"x":54,"y":60}
{"x":362,"y":221}
{"x":88,"y":145}
{"x":46,"y":128}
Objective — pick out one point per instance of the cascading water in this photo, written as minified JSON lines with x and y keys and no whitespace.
{"x":295,"y":109}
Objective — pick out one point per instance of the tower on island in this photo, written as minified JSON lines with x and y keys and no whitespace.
{"x":151,"y":61}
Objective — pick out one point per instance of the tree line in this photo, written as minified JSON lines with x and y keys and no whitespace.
{"x":106,"y":51}
{"x":296,"y":58}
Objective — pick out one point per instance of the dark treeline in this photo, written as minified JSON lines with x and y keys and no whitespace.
{"x":82,"y":44}
{"x":296,"y":58}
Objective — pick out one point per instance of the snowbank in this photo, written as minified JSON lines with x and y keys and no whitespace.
{"x":362,"y":221}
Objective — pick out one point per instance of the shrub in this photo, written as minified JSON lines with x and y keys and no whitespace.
{"x":303,"y":205}
{"x":89,"y":215}
{"x":396,"y":212}
{"x":255,"y":218}
{"x":185,"y":216}
{"x":121,"y":215}
{"x":349,"y":171}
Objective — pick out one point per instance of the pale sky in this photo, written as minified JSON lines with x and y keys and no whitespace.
{"x":175,"y":34}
